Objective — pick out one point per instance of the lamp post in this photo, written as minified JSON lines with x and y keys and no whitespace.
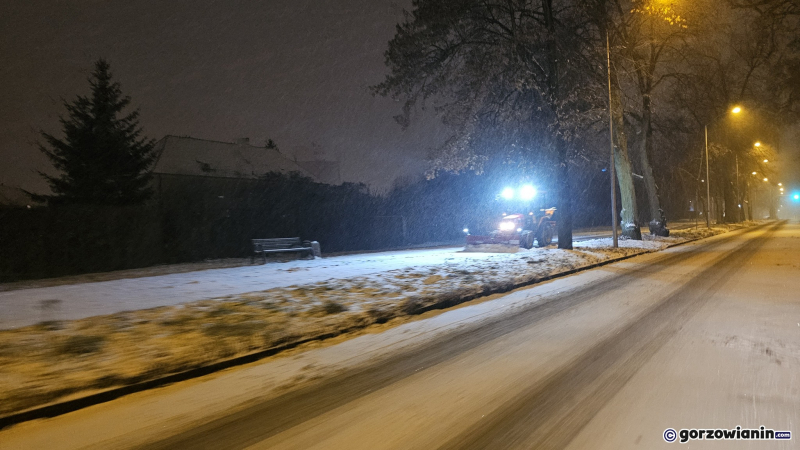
{"x":734,"y":110}
{"x":708,"y":186}
{"x":613,"y":162}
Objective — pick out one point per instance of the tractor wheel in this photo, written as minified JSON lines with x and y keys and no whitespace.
{"x":526,"y":239}
{"x":545,"y":237}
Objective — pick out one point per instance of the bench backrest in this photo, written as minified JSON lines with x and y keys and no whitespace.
{"x":276,"y":243}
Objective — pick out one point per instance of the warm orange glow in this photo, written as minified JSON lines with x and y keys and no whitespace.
{"x":766,"y":179}
{"x":780,"y":184}
{"x":766,"y":160}
{"x":754,"y":173}
{"x":736,"y":110}
{"x":757,"y":144}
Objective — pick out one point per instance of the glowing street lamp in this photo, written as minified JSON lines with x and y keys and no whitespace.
{"x":734,"y":110}
{"x":766,"y":179}
{"x":757,"y":144}
{"x":754,"y":173}
{"x":766,"y":160}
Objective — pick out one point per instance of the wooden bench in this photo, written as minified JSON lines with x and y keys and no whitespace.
{"x":280,"y":245}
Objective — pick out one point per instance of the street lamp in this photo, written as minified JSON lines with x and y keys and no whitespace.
{"x":734,"y":110}
{"x":614,"y":239}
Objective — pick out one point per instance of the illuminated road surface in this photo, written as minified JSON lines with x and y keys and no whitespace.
{"x":705,"y":335}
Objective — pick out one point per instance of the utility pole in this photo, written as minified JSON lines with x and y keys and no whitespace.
{"x":738,"y":195}
{"x":708,"y":186}
{"x":613,"y":160}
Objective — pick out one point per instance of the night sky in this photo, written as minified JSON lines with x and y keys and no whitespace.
{"x":295,"y":71}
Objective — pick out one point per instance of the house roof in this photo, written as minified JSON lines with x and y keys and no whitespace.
{"x":199,"y":157}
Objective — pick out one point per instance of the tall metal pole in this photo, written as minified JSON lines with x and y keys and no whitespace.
{"x":611,"y":139}
{"x":708,"y":187}
{"x":738,"y":195}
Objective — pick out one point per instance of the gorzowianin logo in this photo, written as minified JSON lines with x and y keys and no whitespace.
{"x":723,"y":434}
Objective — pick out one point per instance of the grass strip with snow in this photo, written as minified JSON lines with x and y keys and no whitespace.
{"x":47,"y":362}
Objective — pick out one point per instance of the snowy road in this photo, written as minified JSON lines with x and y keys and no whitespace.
{"x":705,"y":335}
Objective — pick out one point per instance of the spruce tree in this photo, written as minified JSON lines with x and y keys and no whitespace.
{"x":102,"y":158}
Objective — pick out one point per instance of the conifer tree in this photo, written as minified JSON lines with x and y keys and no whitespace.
{"x":103,"y":159}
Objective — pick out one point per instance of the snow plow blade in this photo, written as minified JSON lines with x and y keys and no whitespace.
{"x":488,"y":244}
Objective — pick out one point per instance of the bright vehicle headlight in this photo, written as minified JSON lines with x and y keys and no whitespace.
{"x":507,"y":193}
{"x":507,"y":226}
{"x":527,"y":192}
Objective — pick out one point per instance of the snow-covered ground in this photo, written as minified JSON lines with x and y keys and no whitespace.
{"x":199,"y":318}
{"x":28,"y":306}
{"x":76,"y":301}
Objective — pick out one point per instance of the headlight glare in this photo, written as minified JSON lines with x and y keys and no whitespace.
{"x":506,"y":226}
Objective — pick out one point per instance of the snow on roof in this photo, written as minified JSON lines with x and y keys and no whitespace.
{"x":199,"y":157}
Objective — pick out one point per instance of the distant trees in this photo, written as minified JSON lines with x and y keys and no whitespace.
{"x":743,"y":53}
{"x":103,"y":159}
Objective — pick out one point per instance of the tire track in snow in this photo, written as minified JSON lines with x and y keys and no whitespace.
{"x":548,"y":414}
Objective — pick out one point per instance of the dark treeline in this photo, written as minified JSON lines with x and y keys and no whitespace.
{"x":193,"y":219}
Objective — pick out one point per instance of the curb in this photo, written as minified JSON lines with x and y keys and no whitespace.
{"x":59,"y":408}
